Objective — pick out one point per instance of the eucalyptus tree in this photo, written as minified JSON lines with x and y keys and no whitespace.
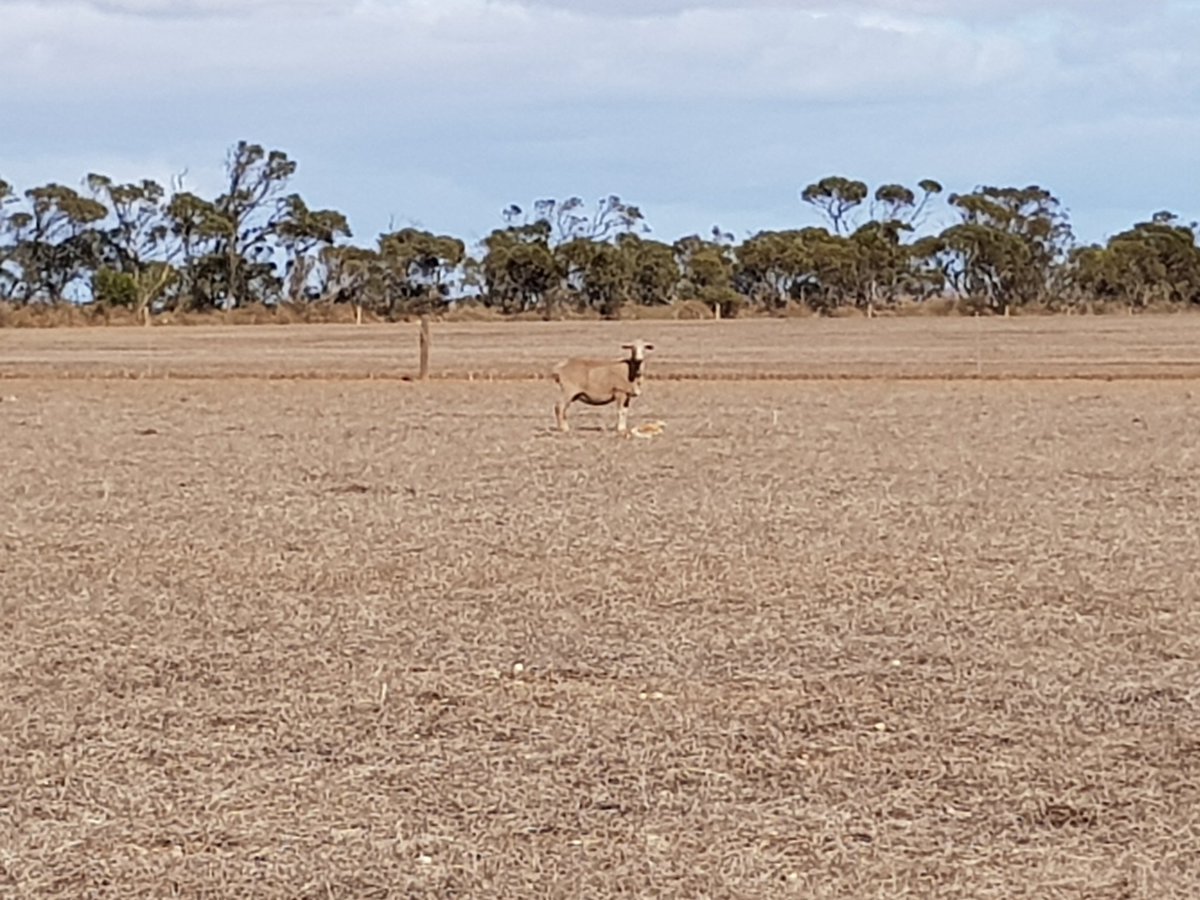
{"x":570,"y":220}
{"x":54,"y":245}
{"x":898,"y":203}
{"x":708,"y":267}
{"x":598,"y":273}
{"x":1009,"y":245}
{"x":836,"y":197}
{"x":416,"y":266}
{"x":351,"y":275}
{"x":199,"y":226}
{"x":302,"y":234}
{"x":251,"y":213}
{"x":652,"y":270}
{"x":140,"y":248}
{"x":520,"y":269}
{"x":590,"y":269}
{"x":773,"y":267}
{"x":10,"y":219}
{"x":1152,"y":262}
{"x":882,"y":262}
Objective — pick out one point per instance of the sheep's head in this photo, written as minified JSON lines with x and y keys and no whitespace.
{"x":637,"y":356}
{"x":637,"y":349}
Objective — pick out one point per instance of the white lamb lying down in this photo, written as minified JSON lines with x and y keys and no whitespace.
{"x":598,"y":382}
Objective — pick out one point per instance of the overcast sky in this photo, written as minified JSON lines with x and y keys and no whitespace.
{"x":440,"y":113}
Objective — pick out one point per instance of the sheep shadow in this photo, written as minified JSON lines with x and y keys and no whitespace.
{"x":551,"y":431}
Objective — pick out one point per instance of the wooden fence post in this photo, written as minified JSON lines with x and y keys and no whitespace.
{"x":423,"y":372}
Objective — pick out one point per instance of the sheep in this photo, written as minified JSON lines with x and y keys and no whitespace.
{"x":598,"y":382}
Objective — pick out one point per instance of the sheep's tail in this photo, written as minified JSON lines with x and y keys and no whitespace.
{"x":556,"y":371}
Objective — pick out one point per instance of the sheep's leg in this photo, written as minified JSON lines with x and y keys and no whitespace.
{"x":622,"y":414}
{"x":560,"y":414}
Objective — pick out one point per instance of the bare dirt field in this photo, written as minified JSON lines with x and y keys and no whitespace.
{"x":336,"y":635}
{"x":907,"y":348}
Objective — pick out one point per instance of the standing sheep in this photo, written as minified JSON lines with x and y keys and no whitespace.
{"x":598,"y":382}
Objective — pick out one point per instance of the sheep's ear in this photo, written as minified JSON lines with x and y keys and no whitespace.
{"x":648,"y":347}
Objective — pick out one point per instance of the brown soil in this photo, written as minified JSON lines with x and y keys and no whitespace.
{"x":1025,"y":347}
{"x":341,"y":638}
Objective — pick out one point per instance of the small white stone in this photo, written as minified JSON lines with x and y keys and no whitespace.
{"x":425,"y":860}
{"x":518,"y":668}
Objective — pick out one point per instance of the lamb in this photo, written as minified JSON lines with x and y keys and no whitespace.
{"x":598,"y":382}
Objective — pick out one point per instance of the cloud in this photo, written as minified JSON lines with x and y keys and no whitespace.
{"x":504,"y":51}
{"x":184,"y":9}
{"x":959,"y":10}
{"x":487,"y":55}
{"x":446,"y":110}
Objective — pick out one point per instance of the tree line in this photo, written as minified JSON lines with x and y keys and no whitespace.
{"x":148,"y":249}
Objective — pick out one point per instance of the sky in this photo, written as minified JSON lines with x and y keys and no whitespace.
{"x":441,"y":113}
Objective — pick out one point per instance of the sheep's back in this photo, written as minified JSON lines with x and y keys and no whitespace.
{"x":583,"y":370}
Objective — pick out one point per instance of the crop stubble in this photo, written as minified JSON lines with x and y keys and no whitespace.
{"x":314,"y":638}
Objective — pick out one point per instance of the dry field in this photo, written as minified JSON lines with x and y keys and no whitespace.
{"x":902,"y":348}
{"x":343,"y":636}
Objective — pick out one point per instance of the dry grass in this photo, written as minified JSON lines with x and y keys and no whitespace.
{"x":69,"y":315}
{"x":353,"y":639}
{"x":887,"y":348}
